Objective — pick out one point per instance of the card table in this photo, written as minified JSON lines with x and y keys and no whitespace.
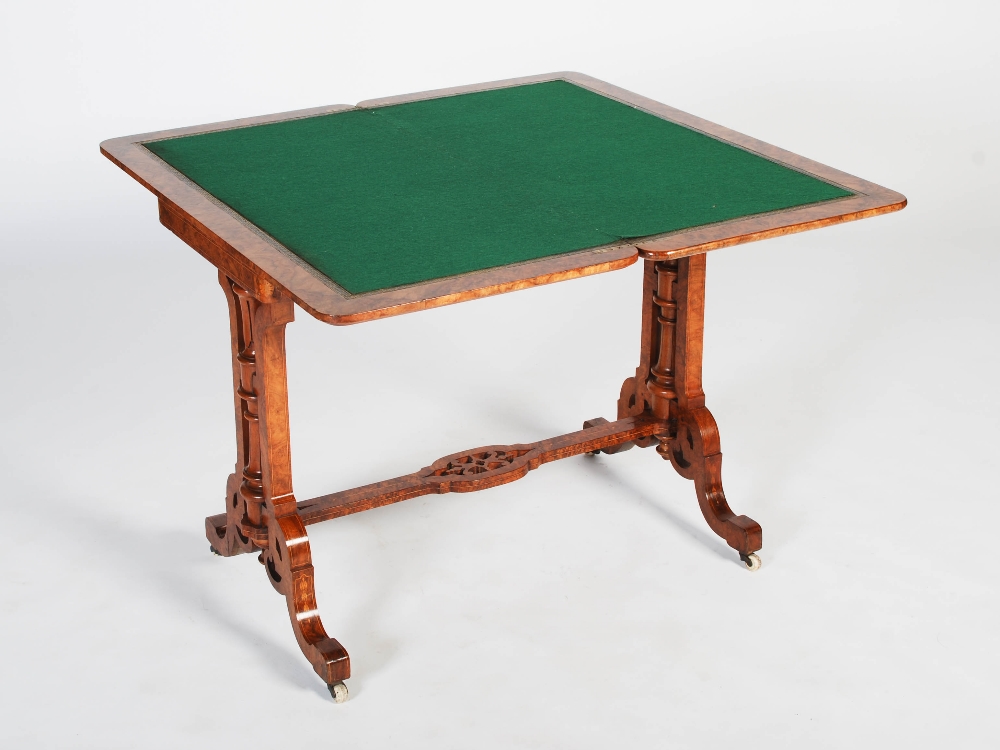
{"x":395,"y":205}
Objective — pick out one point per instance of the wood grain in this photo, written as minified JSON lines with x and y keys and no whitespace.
{"x":261,"y":511}
{"x":663,"y":404}
{"x":692,"y":443}
{"x":634,"y":398}
{"x":241,"y":529}
{"x":260,"y":263}
{"x":667,"y":386}
{"x":478,"y":469}
{"x":473,"y":470}
{"x":870,"y":199}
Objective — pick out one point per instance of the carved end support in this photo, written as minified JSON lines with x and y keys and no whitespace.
{"x":261,"y":511}
{"x":668,"y":385}
{"x":661,"y":385}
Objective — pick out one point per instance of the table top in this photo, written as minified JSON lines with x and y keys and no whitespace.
{"x":411,"y":202}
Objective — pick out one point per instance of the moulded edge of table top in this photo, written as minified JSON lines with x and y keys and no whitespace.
{"x":254,"y":259}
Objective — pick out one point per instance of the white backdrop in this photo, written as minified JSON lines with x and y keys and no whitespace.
{"x":852,"y":371}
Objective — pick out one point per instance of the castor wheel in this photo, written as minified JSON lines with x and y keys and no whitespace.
{"x":214,"y":551}
{"x":751,"y":561}
{"x":339,"y":692}
{"x":594,"y":453}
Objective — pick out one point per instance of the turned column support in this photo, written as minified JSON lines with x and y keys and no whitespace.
{"x":244,"y":530}
{"x":247,"y":415}
{"x":661,"y":381}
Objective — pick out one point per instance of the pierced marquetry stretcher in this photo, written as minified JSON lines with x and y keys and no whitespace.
{"x":400,"y":204}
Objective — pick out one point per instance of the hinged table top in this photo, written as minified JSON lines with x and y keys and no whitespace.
{"x":410,"y":202}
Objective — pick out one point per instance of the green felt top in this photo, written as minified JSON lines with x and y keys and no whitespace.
{"x":381,"y":197}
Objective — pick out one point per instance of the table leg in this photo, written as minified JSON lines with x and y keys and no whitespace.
{"x":668,"y":384}
{"x":261,"y":510}
{"x":236,"y":531}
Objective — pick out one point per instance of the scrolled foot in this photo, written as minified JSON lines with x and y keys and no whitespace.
{"x":696,"y":454}
{"x":752,"y":561}
{"x":339,"y":692}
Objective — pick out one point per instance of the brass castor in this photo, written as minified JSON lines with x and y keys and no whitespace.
{"x":751,"y":561}
{"x":339,"y":692}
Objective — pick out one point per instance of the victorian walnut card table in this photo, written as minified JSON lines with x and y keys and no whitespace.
{"x":396,"y":205}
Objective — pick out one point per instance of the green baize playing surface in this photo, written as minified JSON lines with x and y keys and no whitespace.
{"x":375,"y":198}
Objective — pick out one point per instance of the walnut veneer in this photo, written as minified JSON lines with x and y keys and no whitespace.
{"x":663,"y":404}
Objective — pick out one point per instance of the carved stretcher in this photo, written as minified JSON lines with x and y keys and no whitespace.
{"x":663,"y":185}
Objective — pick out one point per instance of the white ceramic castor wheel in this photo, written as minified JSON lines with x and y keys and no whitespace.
{"x":339,"y":692}
{"x":751,"y":561}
